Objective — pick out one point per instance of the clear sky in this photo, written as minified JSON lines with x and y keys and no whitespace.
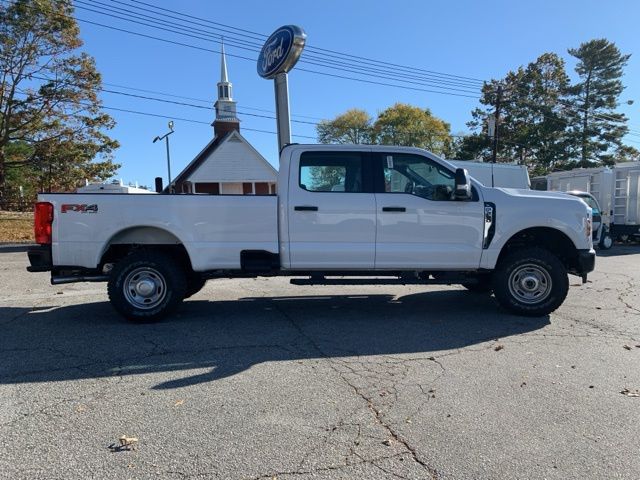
{"x":479,"y":39}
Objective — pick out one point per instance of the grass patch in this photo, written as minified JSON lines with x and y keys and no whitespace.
{"x":16,"y":227}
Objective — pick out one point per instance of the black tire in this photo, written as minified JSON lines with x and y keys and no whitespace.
{"x":606,"y":242}
{"x":195,"y":283}
{"x":483,"y":285}
{"x":146,"y":285}
{"x":530,"y":282}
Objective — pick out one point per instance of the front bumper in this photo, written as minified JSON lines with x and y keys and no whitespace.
{"x":40,"y":258}
{"x":586,"y":263}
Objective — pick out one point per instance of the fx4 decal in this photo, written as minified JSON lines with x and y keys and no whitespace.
{"x":82,"y":208}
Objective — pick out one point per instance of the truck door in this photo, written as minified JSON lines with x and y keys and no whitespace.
{"x":419,"y":223}
{"x":331,"y":211}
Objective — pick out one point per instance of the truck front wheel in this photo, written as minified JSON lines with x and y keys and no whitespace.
{"x":606,"y":242}
{"x":531,"y":282}
{"x":145,"y":286}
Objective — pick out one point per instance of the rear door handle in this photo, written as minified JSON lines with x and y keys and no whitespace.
{"x":394,"y":209}
{"x":305,"y":208}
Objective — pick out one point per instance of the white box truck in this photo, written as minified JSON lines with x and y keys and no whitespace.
{"x":617,"y":190}
{"x":400,"y":214}
{"x":498,"y":175}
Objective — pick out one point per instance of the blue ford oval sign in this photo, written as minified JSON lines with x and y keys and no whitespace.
{"x":281,"y":51}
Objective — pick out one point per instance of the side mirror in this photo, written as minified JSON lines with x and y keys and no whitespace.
{"x":463,"y":185}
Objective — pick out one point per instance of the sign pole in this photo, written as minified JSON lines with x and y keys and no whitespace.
{"x":282,"y":109}
{"x":278,"y":56}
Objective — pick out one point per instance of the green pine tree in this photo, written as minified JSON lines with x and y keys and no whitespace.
{"x":596,"y":128}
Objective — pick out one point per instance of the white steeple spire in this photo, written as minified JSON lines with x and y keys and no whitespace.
{"x":225,"y":106}
{"x":224,"y":77}
{"x":224,"y":85}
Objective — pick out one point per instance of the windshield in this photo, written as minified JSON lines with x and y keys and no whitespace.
{"x":589,"y":200}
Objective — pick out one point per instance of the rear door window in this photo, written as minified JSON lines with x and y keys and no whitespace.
{"x":333,"y":172}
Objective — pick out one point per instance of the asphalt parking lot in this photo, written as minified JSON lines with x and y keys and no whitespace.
{"x":260,"y":379}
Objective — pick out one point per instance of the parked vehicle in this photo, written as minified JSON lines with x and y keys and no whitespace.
{"x":499,"y":175}
{"x":617,"y":190}
{"x":601,"y":235}
{"x":343,"y":214}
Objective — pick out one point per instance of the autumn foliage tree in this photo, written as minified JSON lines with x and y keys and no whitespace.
{"x":400,"y":124}
{"x":52,"y":127}
{"x":353,"y":126}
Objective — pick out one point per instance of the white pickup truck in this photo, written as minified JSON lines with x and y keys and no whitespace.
{"x":343,"y":215}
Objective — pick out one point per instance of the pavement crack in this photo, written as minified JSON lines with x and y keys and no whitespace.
{"x":375,"y":411}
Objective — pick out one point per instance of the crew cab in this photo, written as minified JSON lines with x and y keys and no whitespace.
{"x":342,"y":215}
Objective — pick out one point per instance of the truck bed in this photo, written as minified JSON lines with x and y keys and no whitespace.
{"x":214,"y":229}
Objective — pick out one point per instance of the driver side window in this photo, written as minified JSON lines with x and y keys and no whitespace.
{"x":417,"y":175}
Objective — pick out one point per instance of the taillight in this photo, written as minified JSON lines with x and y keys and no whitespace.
{"x":42,"y":221}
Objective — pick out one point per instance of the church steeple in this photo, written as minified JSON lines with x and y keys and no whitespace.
{"x":224,"y":85}
{"x":226,"y":119}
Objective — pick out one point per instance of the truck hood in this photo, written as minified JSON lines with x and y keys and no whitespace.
{"x":520,"y":198}
{"x":517,"y":192}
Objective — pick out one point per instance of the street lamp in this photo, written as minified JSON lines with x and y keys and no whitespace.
{"x":166,"y":139}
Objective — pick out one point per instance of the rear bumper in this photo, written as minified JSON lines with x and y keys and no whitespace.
{"x":40,"y":258}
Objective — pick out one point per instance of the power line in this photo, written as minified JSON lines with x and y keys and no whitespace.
{"x":245,"y":58}
{"x":165,"y":26}
{"x":330,"y":53}
{"x":256,"y":47}
{"x":173,"y":102}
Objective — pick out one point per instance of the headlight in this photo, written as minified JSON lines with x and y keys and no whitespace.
{"x":588,"y":227}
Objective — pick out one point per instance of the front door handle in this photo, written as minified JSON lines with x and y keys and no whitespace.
{"x":305,"y":208}
{"x":394,"y":209}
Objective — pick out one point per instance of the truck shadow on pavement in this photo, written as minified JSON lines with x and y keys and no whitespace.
{"x":212,"y":340}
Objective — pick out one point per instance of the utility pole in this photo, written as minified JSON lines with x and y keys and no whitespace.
{"x":165,"y":137}
{"x":496,"y":128}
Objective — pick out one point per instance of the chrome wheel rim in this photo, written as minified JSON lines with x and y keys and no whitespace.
{"x":607,"y":242}
{"x":530,"y":284}
{"x":144,"y":288}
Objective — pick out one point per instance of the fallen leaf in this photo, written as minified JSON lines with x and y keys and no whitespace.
{"x":497,"y":348}
{"x":81,"y":408}
{"x":178,"y":403}
{"x":626,"y":347}
{"x":630,"y":393}
{"x":128,"y":442}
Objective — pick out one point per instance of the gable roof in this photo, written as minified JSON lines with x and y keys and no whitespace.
{"x":209,"y":150}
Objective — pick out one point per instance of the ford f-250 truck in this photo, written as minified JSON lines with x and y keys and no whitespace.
{"x":383,"y":214}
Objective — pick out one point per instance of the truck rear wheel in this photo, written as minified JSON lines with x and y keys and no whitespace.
{"x":531,"y":282}
{"x":145,"y":286}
